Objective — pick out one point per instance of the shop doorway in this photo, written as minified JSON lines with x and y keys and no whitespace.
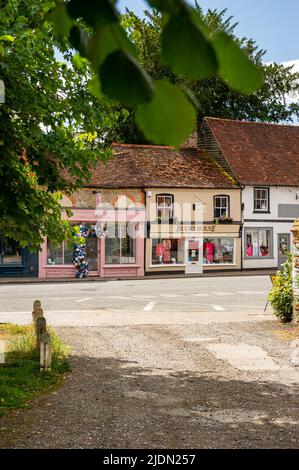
{"x":92,"y":254}
{"x":193,"y":256}
{"x":284,"y":245}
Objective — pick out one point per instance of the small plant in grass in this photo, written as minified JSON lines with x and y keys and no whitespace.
{"x":281,"y":294}
{"x":20,"y":377}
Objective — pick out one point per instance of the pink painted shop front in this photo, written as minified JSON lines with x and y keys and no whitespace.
{"x":115,"y":256}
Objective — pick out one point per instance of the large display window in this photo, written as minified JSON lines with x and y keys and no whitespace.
{"x":10,"y":251}
{"x":59,"y":254}
{"x":258,"y":242}
{"x":167,"y":251}
{"x":218,"y":250}
{"x":120,"y":248}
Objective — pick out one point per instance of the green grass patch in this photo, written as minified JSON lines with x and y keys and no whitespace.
{"x":20,"y":377}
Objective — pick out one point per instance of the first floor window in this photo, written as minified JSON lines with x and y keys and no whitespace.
{"x":10,"y":251}
{"x":120,"y":248}
{"x":62,"y":253}
{"x":258,"y":242}
{"x":221,"y":206}
{"x":167,"y":251}
{"x":261,"y":199}
{"x":218,"y":250}
{"x":164,"y":206}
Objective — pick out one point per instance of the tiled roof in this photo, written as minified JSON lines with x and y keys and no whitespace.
{"x":141,"y":166}
{"x":259,"y":153}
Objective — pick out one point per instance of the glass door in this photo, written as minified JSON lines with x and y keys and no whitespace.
{"x":283,"y":240}
{"x":194,"y":256}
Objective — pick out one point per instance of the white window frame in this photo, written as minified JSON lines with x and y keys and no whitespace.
{"x":221,"y":207}
{"x":164,"y":207}
{"x":267,"y":199}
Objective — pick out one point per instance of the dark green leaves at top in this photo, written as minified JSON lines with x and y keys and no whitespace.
{"x":171,"y":6}
{"x":186,"y":50}
{"x":95,"y":13}
{"x":61,"y":21}
{"x":169,"y":118}
{"x":123,"y":79}
{"x":235,"y":68}
{"x":107,"y":40}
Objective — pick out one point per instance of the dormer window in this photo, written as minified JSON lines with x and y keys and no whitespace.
{"x":261,"y":199}
{"x":221,"y":206}
{"x":164,"y":206}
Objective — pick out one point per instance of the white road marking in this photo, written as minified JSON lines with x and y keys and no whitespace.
{"x":218,"y":308}
{"x":149,"y":306}
{"x":171,"y":295}
{"x":84,"y":300}
{"x":200,"y":295}
{"x":144,"y":296}
{"x":251,"y":292}
{"x":223,"y":293}
{"x":117,"y":297}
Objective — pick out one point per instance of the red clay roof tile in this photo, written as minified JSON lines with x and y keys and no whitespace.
{"x":259,"y":153}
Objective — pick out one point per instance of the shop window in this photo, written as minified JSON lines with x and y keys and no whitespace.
{"x":258,"y":242}
{"x":10,"y":251}
{"x":221,"y":206}
{"x":218,"y":250}
{"x":164,"y":206}
{"x":60,"y":254}
{"x":120,"y":248}
{"x":167,"y":251}
{"x":261,"y":199}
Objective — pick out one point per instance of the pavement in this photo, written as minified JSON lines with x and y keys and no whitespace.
{"x":165,"y":363}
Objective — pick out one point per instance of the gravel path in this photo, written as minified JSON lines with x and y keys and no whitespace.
{"x":163,"y":386}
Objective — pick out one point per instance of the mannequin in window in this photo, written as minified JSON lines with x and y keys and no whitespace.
{"x":210,"y":251}
{"x":167,"y":248}
{"x":249,"y":249}
{"x":160,"y":252}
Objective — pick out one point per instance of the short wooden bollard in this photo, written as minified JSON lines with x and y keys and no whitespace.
{"x":37,"y":312}
{"x":41,"y":327}
{"x":45,"y":352}
{"x":36,"y":303}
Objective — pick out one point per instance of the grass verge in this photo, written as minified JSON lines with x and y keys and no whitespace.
{"x":20,"y":378}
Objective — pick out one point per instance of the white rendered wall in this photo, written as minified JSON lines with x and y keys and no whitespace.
{"x":278,"y":195}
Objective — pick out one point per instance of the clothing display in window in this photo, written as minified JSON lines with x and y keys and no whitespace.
{"x":209,"y":251}
{"x":249,"y":249}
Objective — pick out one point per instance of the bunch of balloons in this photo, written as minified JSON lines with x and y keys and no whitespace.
{"x":80,"y":262}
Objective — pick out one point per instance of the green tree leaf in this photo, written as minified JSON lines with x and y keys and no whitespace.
{"x":107,"y":40}
{"x":235,"y":67}
{"x":7,"y":38}
{"x":136,"y":85}
{"x":61,"y":21}
{"x":95,"y":13}
{"x":79,"y":40}
{"x":186,"y":50}
{"x":169,"y":118}
{"x":94,"y":87}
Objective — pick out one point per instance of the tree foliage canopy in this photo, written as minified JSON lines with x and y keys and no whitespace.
{"x":58,"y":114}
{"x":276,"y":101}
{"x":49,"y":122}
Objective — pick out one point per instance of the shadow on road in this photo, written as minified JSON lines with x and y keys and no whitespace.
{"x":110,"y":403}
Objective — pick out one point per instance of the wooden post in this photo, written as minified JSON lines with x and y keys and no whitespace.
{"x":41,"y":327}
{"x":295,"y":253}
{"x":37,"y":312}
{"x":36,"y":303}
{"x":45,"y":352}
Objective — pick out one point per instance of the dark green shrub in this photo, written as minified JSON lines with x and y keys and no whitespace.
{"x":281,"y":295}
